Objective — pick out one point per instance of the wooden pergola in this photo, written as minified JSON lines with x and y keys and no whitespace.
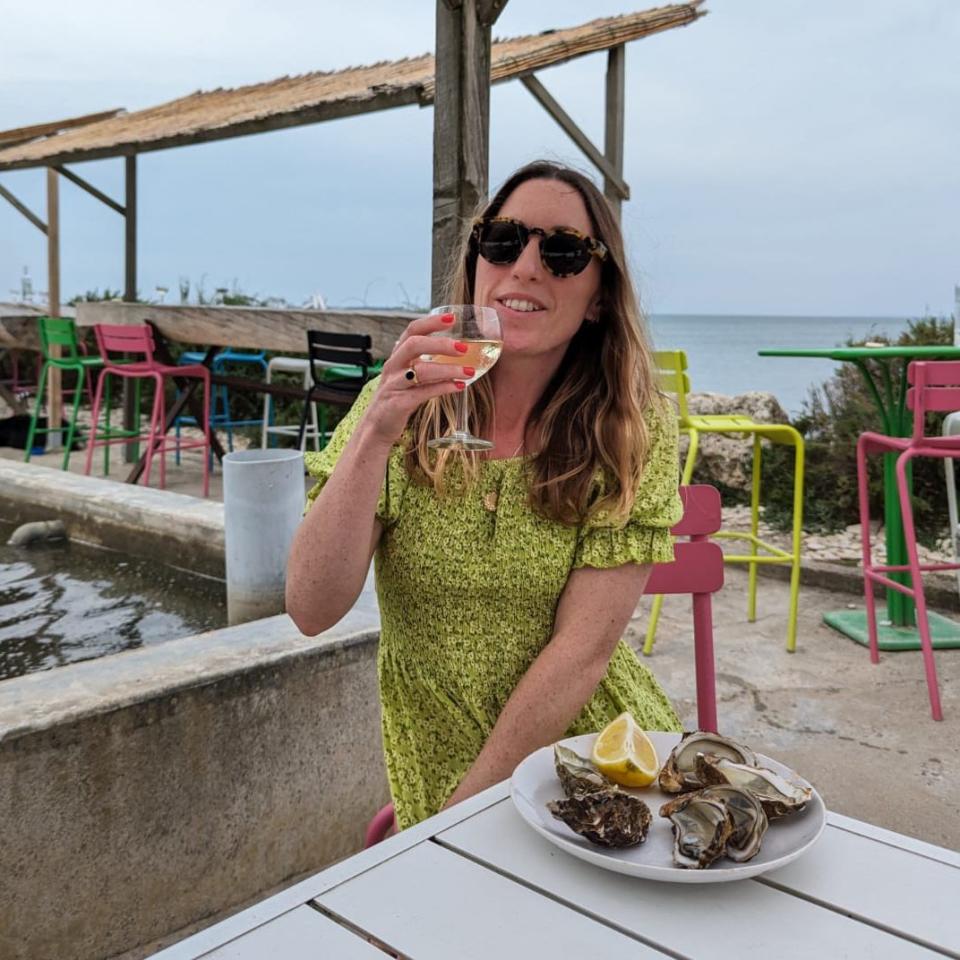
{"x":456,"y":81}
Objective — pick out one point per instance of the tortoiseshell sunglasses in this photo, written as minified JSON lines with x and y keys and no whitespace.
{"x":564,"y":251}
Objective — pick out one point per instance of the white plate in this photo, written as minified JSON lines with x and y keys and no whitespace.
{"x":535,"y":782}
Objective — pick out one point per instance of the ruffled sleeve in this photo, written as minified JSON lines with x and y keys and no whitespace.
{"x":321,"y":465}
{"x":645,"y":537}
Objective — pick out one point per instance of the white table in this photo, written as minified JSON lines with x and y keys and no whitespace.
{"x":477,"y":882}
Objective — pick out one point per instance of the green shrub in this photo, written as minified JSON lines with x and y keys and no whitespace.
{"x":833,"y":417}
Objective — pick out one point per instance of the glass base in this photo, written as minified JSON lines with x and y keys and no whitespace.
{"x":463,"y":441}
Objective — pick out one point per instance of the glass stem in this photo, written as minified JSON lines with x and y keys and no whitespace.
{"x":462,"y":412}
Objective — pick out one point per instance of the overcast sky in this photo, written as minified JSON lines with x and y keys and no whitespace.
{"x":796,"y":157}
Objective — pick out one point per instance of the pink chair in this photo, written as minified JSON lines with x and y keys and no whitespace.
{"x":138,"y":341}
{"x":935,"y":387}
{"x":698,"y":570}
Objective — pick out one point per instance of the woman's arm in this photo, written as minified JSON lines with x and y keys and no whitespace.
{"x":333,"y":545}
{"x":594,"y":610}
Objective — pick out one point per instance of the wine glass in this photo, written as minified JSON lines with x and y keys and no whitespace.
{"x":479,"y":329}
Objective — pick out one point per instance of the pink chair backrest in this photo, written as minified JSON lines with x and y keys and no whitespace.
{"x":935,"y":387}
{"x":120,"y":338}
{"x":698,"y":563}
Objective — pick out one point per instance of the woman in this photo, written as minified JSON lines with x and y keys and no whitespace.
{"x":505,"y":579}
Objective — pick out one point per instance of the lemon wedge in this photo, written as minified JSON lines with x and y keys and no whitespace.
{"x":624,"y":753}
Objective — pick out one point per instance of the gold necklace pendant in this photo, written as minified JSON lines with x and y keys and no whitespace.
{"x":490,"y":501}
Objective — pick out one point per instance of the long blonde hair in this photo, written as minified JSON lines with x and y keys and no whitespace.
{"x":590,"y":420}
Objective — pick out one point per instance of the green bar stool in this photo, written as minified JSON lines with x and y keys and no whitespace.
{"x":60,"y":332}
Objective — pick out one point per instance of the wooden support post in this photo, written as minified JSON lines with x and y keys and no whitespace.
{"x":54,"y":391}
{"x":461,"y":128}
{"x":130,"y":412}
{"x":613,"y":124}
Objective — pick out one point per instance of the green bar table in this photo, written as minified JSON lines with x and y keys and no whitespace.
{"x":898,"y":631}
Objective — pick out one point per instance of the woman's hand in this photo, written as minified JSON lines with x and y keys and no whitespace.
{"x":397,"y":397}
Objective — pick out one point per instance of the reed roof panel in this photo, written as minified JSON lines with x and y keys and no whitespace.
{"x":313,"y":97}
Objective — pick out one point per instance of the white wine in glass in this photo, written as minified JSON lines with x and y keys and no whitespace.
{"x":479,"y":329}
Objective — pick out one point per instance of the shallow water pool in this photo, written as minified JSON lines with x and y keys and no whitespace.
{"x":61,"y":602}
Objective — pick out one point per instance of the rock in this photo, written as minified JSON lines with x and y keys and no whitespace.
{"x":725,"y":460}
{"x":36,"y":532}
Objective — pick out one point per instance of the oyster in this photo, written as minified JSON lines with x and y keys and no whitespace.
{"x":609,"y":818}
{"x":701,"y":828}
{"x":679,"y":773}
{"x":578,"y":775}
{"x":749,"y":821}
{"x":778,"y":795}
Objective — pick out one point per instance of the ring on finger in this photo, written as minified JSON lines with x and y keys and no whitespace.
{"x":410,"y":375}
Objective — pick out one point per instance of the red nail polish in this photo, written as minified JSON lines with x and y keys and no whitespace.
{"x":462,"y":347}
{"x":447,"y":318}
{"x":459,"y":384}
{"x":468,"y":371}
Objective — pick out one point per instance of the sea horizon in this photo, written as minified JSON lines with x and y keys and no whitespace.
{"x":722,"y":349}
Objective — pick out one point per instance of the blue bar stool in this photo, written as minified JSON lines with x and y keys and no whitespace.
{"x":220,"y":415}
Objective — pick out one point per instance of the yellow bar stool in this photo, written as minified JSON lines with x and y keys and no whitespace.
{"x":674,"y":379}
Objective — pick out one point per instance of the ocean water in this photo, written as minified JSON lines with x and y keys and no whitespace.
{"x":722,"y":350}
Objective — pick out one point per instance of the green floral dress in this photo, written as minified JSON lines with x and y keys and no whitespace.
{"x":468,"y":588}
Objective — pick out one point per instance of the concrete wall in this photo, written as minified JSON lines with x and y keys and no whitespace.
{"x":143,"y":792}
{"x":168,"y":527}
{"x":148,"y":790}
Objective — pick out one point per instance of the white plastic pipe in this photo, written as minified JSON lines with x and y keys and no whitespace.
{"x":263,"y":498}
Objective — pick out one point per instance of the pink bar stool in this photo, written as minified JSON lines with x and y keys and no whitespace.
{"x":138,"y":343}
{"x":935,"y":387}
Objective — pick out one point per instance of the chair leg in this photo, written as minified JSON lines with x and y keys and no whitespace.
{"x":949,"y":423}
{"x":919,"y":597}
{"x":154,"y":426}
{"x":654,"y":618}
{"x":798,"y":468}
{"x":691,"y":458}
{"x":302,"y":431}
{"x":72,"y":428}
{"x":317,"y":445}
{"x":32,"y":429}
{"x":108,"y":388}
{"x":267,"y":416}
{"x":754,"y":529}
{"x":228,"y":419}
{"x":704,"y":660}
{"x":176,"y":442}
{"x":102,"y":381}
{"x":207,"y":450}
{"x":162,"y":438}
{"x":869,"y":597}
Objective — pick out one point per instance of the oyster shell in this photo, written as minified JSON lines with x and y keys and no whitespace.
{"x":609,"y":818}
{"x":779,"y":796}
{"x":679,"y":773}
{"x":749,"y":821}
{"x":578,"y":775}
{"x":701,"y":828}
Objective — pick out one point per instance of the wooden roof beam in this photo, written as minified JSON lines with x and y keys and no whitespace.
{"x":9,"y":138}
